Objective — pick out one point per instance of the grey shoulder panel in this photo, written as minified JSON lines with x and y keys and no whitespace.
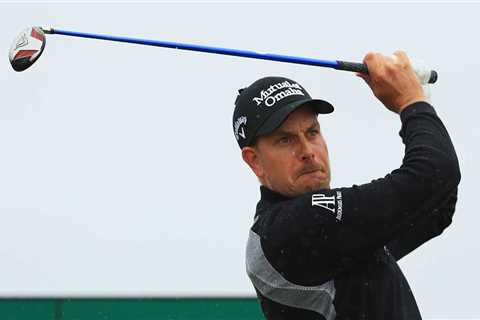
{"x":275,"y":287}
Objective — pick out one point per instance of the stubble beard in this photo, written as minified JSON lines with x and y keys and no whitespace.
{"x":315,"y":185}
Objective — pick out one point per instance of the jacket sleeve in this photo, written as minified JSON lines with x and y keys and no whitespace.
{"x":427,"y":227}
{"x":345,"y":224}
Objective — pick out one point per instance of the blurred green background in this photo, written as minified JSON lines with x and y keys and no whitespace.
{"x":132,"y":309}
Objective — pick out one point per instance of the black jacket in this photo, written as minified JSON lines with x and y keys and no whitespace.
{"x":331,"y":254}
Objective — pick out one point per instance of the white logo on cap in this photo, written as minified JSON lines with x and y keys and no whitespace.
{"x":288,"y":89}
{"x":239,"y":132}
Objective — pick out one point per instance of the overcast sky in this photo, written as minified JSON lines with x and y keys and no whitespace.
{"x":119,"y":171}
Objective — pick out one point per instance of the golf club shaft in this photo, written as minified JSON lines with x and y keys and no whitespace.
{"x":335,"y":64}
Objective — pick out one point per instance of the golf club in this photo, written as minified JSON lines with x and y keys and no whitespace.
{"x":29,"y":45}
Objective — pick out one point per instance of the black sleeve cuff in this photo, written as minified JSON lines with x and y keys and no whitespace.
{"x":417,"y":107}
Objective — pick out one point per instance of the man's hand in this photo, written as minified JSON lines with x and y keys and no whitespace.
{"x":393,"y":80}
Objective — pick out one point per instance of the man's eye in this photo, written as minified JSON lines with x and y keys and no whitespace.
{"x":284,"y":140}
{"x":313,"y":132}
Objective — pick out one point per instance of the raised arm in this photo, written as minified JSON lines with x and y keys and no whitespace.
{"x":345,"y":225}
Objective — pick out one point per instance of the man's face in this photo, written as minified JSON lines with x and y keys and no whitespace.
{"x":293,"y":159}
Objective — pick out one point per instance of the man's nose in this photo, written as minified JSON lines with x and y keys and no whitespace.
{"x":306,"y":151}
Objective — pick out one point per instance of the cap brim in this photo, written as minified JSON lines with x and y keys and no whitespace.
{"x":276,"y":119}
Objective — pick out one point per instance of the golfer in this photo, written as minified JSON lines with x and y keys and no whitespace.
{"x":316,"y":252}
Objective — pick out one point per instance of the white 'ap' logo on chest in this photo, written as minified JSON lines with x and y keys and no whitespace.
{"x":333,"y":203}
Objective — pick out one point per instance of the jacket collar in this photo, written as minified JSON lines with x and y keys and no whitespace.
{"x":271,"y":196}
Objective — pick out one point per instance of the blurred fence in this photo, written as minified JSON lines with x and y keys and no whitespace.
{"x":131,"y":309}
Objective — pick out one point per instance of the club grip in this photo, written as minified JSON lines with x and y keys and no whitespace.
{"x":352,"y":66}
{"x":362,"y":68}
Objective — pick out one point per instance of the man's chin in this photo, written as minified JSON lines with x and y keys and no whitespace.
{"x":316,"y":185}
{"x":302,"y":187}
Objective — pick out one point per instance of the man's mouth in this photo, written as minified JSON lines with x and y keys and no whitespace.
{"x":309,"y":171}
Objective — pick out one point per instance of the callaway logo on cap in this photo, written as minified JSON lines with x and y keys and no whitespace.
{"x":265,"y":104}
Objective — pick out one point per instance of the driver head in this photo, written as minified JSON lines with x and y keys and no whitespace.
{"x":27,"y":48}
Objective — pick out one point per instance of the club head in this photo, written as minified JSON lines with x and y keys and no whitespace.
{"x":27,"y":48}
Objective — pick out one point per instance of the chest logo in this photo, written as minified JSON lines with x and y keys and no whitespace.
{"x":333,"y":203}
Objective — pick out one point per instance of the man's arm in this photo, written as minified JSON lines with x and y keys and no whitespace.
{"x":347,"y":224}
{"x":331,"y":230}
{"x":427,"y":227}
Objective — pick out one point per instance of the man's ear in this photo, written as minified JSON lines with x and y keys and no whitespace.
{"x":251,"y":157}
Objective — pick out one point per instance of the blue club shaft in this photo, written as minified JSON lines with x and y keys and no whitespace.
{"x":207,"y":49}
{"x":335,"y":64}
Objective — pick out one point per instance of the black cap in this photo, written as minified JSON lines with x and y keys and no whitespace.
{"x":265,"y":104}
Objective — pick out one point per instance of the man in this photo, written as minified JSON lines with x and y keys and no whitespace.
{"x":320,"y":253}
